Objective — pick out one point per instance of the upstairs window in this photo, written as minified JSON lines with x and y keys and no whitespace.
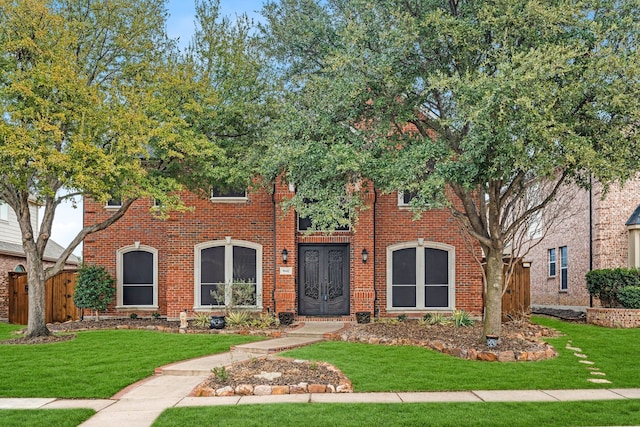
{"x":564,"y":269}
{"x":114,"y":203}
{"x":4,"y":211}
{"x":219,"y":194}
{"x":405,"y":198}
{"x":552,"y":262}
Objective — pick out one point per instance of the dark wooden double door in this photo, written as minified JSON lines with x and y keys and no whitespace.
{"x":323,"y":280}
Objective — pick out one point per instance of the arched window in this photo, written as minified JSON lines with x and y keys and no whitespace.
{"x":137,"y":281}
{"x":19,"y":268}
{"x":420,"y":276}
{"x":228,"y":273}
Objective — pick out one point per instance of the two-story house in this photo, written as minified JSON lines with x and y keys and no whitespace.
{"x":388,"y":264}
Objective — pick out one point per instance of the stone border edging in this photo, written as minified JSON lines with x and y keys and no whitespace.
{"x":614,"y":317}
{"x":470,"y":354}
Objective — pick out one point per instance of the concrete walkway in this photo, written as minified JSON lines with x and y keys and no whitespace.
{"x":140,"y":404}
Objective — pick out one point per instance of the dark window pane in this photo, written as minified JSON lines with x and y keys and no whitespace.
{"x":404,"y":296}
{"x":436,"y":266}
{"x":233,"y":192}
{"x":564,"y":280}
{"x":304,"y":224}
{"x":216,"y":299}
{"x":436,"y":296}
{"x":564,"y":257}
{"x":114,"y":202}
{"x":137,"y":268}
{"x":137,"y":295}
{"x":212,"y":265}
{"x":244,"y":264}
{"x":407,"y":196}
{"x":404,"y":267}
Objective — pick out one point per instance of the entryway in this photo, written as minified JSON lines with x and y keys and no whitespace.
{"x":323,"y":280}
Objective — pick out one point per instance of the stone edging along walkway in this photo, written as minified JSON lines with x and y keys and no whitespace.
{"x":470,"y":354}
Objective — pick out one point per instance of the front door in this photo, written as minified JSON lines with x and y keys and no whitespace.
{"x":323,"y":280}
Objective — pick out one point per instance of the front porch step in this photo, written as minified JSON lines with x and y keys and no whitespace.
{"x":317,"y":329}
{"x":277,"y":345}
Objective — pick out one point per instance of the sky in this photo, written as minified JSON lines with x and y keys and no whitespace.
{"x":68,"y":221}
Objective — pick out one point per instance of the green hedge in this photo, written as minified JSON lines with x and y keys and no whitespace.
{"x":629,"y":297}
{"x":605,"y":284}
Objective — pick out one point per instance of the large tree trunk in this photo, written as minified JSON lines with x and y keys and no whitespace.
{"x":37,"y":325}
{"x":493,"y":303}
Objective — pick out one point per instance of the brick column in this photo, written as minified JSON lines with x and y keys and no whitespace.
{"x":362,"y":277}
{"x":285,"y":232}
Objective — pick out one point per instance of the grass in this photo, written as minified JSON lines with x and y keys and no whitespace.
{"x":612,"y":412}
{"x":98,"y":364}
{"x":44,"y":417}
{"x":384,"y":368}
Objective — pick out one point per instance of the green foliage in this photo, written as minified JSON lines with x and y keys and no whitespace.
{"x":629,"y":296}
{"x":436,"y":319}
{"x":402,"y":317}
{"x":507,"y":102}
{"x":220,"y":372}
{"x":44,"y":417}
{"x":462,"y":318}
{"x":133,"y":316}
{"x":238,"y":318}
{"x":94,"y":288}
{"x":155,"y":315}
{"x":605,"y":284}
{"x":202,"y":320}
{"x":242,"y":293}
{"x":264,"y":321}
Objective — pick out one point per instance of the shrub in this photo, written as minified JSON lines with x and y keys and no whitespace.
{"x":94,"y":288}
{"x":263,"y":321}
{"x":133,"y":316}
{"x":462,"y":318}
{"x":437,"y":319}
{"x":202,"y":320}
{"x":629,"y":296}
{"x":238,"y":318}
{"x":605,"y":283}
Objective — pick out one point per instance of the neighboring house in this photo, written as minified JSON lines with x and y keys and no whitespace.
{"x":591,"y":233}
{"x":12,"y":256}
{"x":387,"y":265}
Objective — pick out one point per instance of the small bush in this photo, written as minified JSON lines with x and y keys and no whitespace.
{"x":238,"y":318}
{"x":263,"y":321}
{"x":629,"y":296}
{"x":462,"y":318}
{"x":155,"y":315}
{"x":202,"y":320}
{"x":94,"y":288}
{"x":438,"y":319}
{"x":133,"y":316}
{"x":604,"y":284}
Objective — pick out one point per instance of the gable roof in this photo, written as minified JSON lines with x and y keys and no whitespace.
{"x":51,"y":253}
{"x":634,"y":219}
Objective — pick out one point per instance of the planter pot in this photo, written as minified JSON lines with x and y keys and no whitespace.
{"x":492,"y":341}
{"x":217,"y":322}
{"x":363,"y":316}
{"x":285,"y":318}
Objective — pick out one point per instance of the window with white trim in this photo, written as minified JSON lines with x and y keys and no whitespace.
{"x":137,"y":277}
{"x":420,"y":277}
{"x":4,"y":211}
{"x":114,"y":203}
{"x":405,"y":197}
{"x":552,"y":262}
{"x":228,"y":195}
{"x":564,"y":269}
{"x":228,"y":274}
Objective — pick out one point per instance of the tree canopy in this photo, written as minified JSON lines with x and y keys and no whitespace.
{"x":488,"y":108}
{"x":98,"y":102}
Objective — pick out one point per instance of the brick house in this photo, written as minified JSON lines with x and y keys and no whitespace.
{"x":593,"y":234}
{"x":12,"y":256}
{"x":388,"y":264}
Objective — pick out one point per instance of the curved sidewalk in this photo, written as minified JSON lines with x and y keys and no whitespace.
{"x":140,"y":404}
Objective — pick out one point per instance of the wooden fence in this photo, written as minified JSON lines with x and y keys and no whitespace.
{"x":517,"y":298}
{"x":59,"y":298}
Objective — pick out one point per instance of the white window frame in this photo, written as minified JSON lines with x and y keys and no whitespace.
{"x":564,"y":265}
{"x":228,"y":244}
{"x":553,"y":262}
{"x":118,"y":206}
{"x":4,"y":211}
{"x":120,"y":276}
{"x":420,"y":246}
{"x":401,"y":202}
{"x":227,"y":199}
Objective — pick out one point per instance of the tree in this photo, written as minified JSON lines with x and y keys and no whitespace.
{"x":487,"y":108}
{"x":98,"y":102}
{"x":94,"y":288}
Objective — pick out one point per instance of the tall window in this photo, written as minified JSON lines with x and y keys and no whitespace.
{"x":137,"y":272}
{"x":228,"y":274}
{"x":564,"y":269}
{"x":552,"y":262}
{"x":4,"y":211}
{"x":420,"y":277}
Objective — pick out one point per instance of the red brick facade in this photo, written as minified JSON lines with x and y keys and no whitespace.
{"x":260,"y":221}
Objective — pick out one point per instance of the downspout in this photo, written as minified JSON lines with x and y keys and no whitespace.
{"x":590,"y":232}
{"x":376,"y":309}
{"x":275,"y":252}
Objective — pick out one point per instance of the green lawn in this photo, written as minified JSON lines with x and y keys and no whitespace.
{"x":44,"y":417}
{"x":385,"y":368}
{"x":619,"y":412}
{"x":98,"y":364}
